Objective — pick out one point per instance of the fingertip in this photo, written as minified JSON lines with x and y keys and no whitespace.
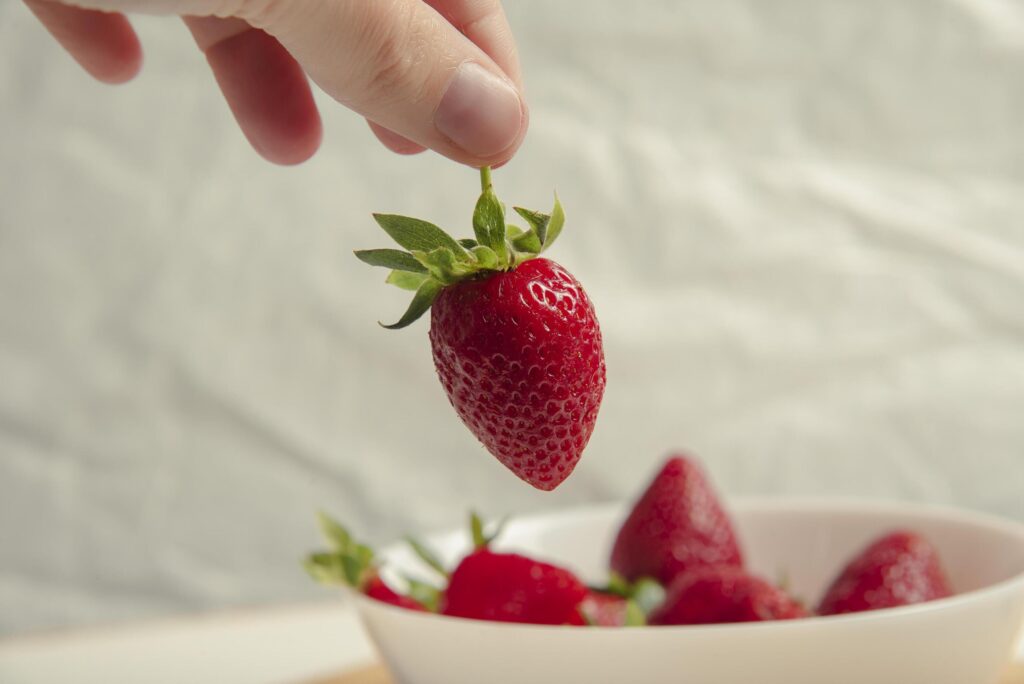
{"x":482,"y":114}
{"x":295,"y":145}
{"x":269,"y":96}
{"x":124,"y":64}
{"x":103,"y":43}
{"x":393,"y":141}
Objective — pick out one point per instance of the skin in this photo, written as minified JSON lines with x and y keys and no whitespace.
{"x":392,"y":61}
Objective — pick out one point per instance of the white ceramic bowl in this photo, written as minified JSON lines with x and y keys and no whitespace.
{"x":966,"y":639}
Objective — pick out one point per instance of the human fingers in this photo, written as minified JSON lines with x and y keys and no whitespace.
{"x":103,"y":43}
{"x":400,"y":64}
{"x":266,"y":89}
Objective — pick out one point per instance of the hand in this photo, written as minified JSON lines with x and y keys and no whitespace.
{"x":438,"y":74}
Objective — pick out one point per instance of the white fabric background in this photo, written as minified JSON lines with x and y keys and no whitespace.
{"x":802,"y":224}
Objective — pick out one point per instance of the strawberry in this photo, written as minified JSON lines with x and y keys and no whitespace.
{"x":376,"y":588}
{"x":509,"y":587}
{"x":897,"y":569}
{"x":677,"y":524}
{"x":351,"y":563}
{"x":713,"y":595}
{"x":514,"y":337}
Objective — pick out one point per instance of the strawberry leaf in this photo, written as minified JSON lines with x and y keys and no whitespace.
{"x":554,"y":227}
{"x":421,"y":301}
{"x":486,"y":257}
{"x":425,"y":594}
{"x":489,"y":224}
{"x":353,"y":570}
{"x":635,"y":617}
{"x":476,"y":528}
{"x":390,"y":258}
{"x":481,"y":538}
{"x":435,"y":260}
{"x":528,"y":242}
{"x":427,"y":556}
{"x":538,"y":221}
{"x":325,"y":568}
{"x":337,"y":536}
{"x":348,"y":561}
{"x":443,"y":265}
{"x":618,"y":585}
{"x":647,"y":595}
{"x":414,"y":234}
{"x":406,"y":280}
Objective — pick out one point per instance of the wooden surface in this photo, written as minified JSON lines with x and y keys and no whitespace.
{"x":378,"y":675}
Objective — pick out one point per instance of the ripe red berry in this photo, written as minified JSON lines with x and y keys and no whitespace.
{"x":519,"y":354}
{"x":508,"y":587}
{"x":375,"y":588}
{"x":713,"y":595}
{"x":677,"y":524}
{"x":514,"y":337}
{"x":898,"y":569}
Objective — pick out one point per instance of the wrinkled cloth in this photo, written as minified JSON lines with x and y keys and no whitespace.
{"x":801,"y":224}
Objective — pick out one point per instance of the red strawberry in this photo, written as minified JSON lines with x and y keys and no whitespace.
{"x":508,"y":587}
{"x":897,"y":569}
{"x":520,"y":357}
{"x":515,"y":340}
{"x":350,"y":563}
{"x":712,"y":595}
{"x":375,"y":588}
{"x":676,"y":525}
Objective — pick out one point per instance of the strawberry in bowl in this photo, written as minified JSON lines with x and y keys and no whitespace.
{"x":542,"y":601}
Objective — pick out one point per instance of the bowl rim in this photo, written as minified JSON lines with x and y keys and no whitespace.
{"x":839,"y":504}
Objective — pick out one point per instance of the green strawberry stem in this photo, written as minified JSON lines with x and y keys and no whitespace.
{"x":433,"y":260}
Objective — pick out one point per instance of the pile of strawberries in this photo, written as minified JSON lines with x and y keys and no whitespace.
{"x":675,"y":561}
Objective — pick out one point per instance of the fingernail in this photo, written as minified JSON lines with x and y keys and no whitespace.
{"x":479,"y":112}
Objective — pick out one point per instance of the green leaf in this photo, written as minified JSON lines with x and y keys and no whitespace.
{"x":476,"y":526}
{"x":634,"y":616}
{"x":527,"y":242}
{"x":489,"y":224}
{"x":619,"y":585}
{"x":353,"y":570}
{"x":647,"y":594}
{"x":486,"y":257}
{"x":554,"y":228}
{"x":337,"y":536}
{"x":443,"y":266}
{"x":425,"y":594}
{"x":390,"y":258}
{"x":421,"y":301}
{"x":427,"y":556}
{"x":512,"y":231}
{"x":414,"y":234}
{"x":538,"y":221}
{"x":406,"y":280}
{"x":325,"y":568}
{"x":468,"y":243}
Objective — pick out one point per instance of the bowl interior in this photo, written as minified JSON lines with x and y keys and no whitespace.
{"x":802,"y":543}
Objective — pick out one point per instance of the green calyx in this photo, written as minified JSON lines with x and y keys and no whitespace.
{"x":482,"y":538}
{"x":643,"y":596}
{"x":433,"y":260}
{"x":346,"y":562}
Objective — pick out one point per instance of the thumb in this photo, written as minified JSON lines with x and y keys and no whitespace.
{"x":403,"y":66}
